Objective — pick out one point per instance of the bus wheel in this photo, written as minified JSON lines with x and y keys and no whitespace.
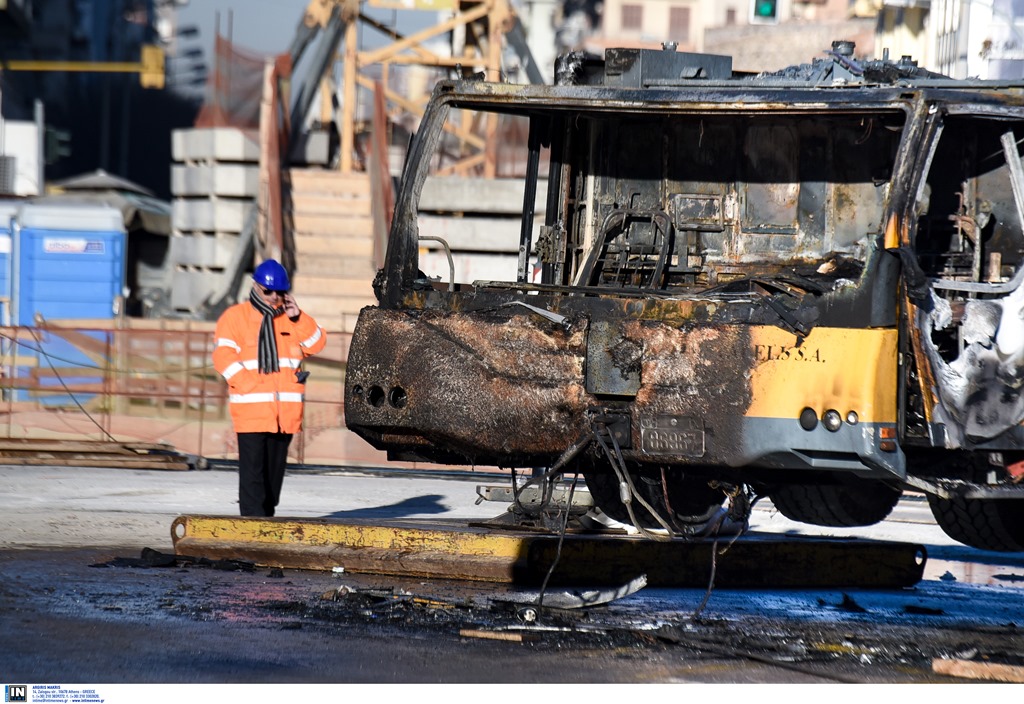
{"x":693,"y":503}
{"x":986,"y":524}
{"x":855,"y":502}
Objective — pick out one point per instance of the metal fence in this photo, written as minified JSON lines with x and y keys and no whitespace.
{"x":153,"y":381}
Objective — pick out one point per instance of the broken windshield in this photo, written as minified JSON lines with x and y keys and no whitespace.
{"x":666,"y":204}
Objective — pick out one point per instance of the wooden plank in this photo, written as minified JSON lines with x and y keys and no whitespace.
{"x":120,"y":464}
{"x":89,"y":453}
{"x":333,"y":225}
{"x":333,"y":286}
{"x":108,"y":453}
{"x":50,"y":445}
{"x":322,"y":181}
{"x":329,"y":265}
{"x":970,"y":669}
{"x":339,"y":205}
{"x":74,"y":458}
{"x":491,"y":635}
{"x":349,"y":246}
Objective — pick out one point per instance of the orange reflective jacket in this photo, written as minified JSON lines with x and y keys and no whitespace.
{"x":264,"y":403}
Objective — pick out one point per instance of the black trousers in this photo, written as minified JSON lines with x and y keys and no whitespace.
{"x":261,"y":461}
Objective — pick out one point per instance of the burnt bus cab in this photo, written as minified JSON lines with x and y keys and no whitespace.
{"x":805,"y":285}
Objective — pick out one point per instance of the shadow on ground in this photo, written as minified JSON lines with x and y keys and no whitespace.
{"x":429,"y":505}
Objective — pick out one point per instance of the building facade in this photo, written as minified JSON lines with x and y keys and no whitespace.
{"x":977,"y":38}
{"x":758,"y":34}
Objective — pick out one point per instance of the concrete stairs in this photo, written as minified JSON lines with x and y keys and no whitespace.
{"x":333,"y":226}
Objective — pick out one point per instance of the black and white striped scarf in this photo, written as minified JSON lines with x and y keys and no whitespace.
{"x":267,"y":342}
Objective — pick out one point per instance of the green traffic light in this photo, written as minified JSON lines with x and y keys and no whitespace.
{"x":765,"y":8}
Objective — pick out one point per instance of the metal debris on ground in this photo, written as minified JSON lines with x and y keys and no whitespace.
{"x":155,"y":558}
{"x":580,"y":598}
{"x":382,"y":596}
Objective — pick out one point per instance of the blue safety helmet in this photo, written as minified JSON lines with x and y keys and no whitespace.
{"x":271,"y":275}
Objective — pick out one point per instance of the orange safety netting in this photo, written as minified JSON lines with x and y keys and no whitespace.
{"x":234,"y":88}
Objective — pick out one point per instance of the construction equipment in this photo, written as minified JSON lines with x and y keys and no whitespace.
{"x":327,"y":33}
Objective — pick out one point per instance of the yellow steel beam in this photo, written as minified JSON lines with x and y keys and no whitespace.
{"x":74,"y":66}
{"x":449,"y":551}
{"x":150,"y":67}
{"x":383,"y":549}
{"x":394,"y":35}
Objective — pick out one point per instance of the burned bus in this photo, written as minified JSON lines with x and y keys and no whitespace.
{"x":806,"y":285}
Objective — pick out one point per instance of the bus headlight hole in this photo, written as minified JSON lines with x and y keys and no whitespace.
{"x":397,"y":397}
{"x":375,"y":396}
{"x":832,"y":420}
{"x":808,"y":419}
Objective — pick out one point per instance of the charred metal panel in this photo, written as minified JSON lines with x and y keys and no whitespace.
{"x":511,"y":389}
{"x":613,"y":362}
{"x":772,"y":178}
{"x":700,"y":373}
{"x":695,"y":211}
{"x":496,"y":386}
{"x":645,"y":67}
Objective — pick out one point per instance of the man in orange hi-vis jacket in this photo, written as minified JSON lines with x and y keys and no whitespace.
{"x":259,"y":348}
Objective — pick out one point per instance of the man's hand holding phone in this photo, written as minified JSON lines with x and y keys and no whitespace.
{"x":291,"y":308}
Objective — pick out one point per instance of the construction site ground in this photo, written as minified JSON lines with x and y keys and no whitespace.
{"x":86,"y":598}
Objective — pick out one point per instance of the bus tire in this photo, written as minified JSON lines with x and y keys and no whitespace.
{"x":986,"y":524}
{"x":848,"y":504}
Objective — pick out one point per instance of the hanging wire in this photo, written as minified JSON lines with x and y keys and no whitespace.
{"x":740,"y":505}
{"x":618,"y":465}
{"x":561,"y":539}
{"x":38,"y":348}
{"x":70,"y":393}
{"x":555,"y":469}
{"x":83,"y":365}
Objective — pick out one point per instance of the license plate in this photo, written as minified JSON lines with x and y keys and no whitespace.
{"x":672,"y":435}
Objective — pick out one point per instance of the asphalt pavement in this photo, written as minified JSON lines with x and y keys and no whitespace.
{"x":73,"y":607}
{"x":128,"y":508}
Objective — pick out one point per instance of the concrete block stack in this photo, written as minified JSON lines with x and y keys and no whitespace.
{"x":214,"y":181}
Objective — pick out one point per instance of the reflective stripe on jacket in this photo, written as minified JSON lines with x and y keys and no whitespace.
{"x":264,"y":403}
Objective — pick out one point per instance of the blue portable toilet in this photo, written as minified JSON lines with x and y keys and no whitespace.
{"x":8,"y":212}
{"x":69,"y":264}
